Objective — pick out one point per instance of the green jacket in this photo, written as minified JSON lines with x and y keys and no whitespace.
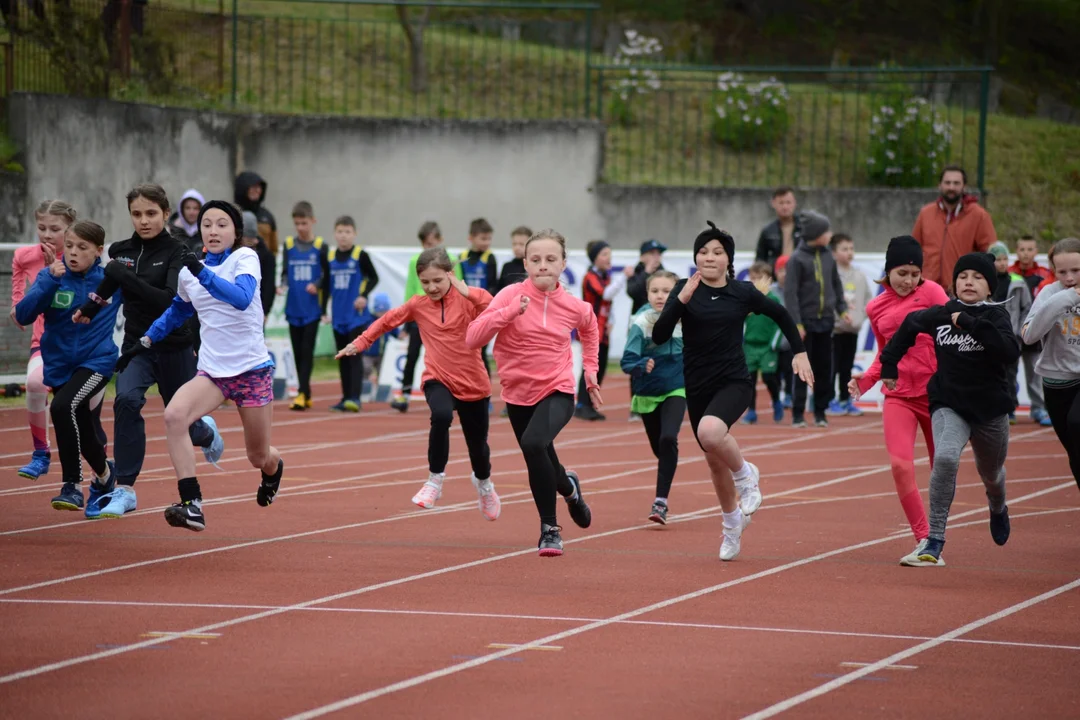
{"x":760,"y":331}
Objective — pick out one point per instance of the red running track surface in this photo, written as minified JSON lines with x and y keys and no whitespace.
{"x":344,"y":600}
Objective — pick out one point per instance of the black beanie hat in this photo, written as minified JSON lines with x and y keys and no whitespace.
{"x":715,"y":233}
{"x":903,"y":250}
{"x":982,"y":263}
{"x":594,"y":249}
{"x":229,"y":209}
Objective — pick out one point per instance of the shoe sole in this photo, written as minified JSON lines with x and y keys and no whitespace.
{"x":550,"y":552}
{"x":29,"y":476}
{"x":114,"y":516}
{"x":183,"y":523}
{"x":65,"y":506}
{"x":738,"y":552}
{"x":929,"y":561}
{"x":498,"y":510}
{"x":580,"y":512}
{"x":658,"y":519}
{"x":917,"y":562}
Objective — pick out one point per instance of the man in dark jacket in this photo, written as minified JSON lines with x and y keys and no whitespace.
{"x":781,"y":236}
{"x":651,"y":250}
{"x":814,"y":297}
{"x":267,"y":262}
{"x":250,"y":195}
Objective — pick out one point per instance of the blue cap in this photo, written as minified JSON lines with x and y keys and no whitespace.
{"x":650,"y":245}
{"x":380,"y":304}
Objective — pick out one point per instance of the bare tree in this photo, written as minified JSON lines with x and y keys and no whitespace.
{"x":414,"y":27}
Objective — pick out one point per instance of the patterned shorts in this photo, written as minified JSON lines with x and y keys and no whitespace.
{"x":254,"y":388}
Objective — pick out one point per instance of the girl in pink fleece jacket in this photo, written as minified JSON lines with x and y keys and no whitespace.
{"x":907,"y":408}
{"x":533,"y":321}
{"x":52,"y":217}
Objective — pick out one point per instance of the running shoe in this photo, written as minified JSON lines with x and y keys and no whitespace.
{"x":98,"y":491}
{"x":338,"y":407}
{"x":750,"y":417}
{"x":70,"y":498}
{"x":836,"y":408}
{"x":658,"y":513}
{"x":216,"y":448}
{"x":798,"y":423}
{"x":787,"y":402}
{"x":912,"y":559}
{"x":270,"y":485}
{"x":550,"y":544}
{"x":931,"y":552}
{"x":821,"y":422}
{"x":430,"y":492}
{"x":487,"y":499}
{"x":1038,"y":415}
{"x":38,"y":465}
{"x":999,"y":526}
{"x":732,"y":545}
{"x":1012,"y":418}
{"x":301,"y":402}
{"x":122,"y":500}
{"x":778,"y":412}
{"x":504,"y":413}
{"x":575,"y":503}
{"x":749,"y":491}
{"x":187,"y":515}
{"x":400,"y":403}
{"x":633,"y":417}
{"x":352,"y":405}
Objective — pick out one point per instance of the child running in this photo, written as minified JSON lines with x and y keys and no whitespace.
{"x":1054,"y":320}
{"x":233,"y":363}
{"x":53,"y":218}
{"x":78,"y":361}
{"x":907,"y":407}
{"x":713,"y":306}
{"x":657,"y":391}
{"x":970,"y":397}
{"x":452,"y":380}
{"x":536,"y":369}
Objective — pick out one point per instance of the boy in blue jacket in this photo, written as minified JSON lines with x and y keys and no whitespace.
{"x":78,"y":360}
{"x":352,"y":277}
{"x":658,"y":392}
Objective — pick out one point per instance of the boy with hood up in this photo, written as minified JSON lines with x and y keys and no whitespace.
{"x":250,"y":194}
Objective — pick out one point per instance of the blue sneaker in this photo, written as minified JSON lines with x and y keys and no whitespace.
{"x":787,"y":402}
{"x":121,"y":500}
{"x":70,"y":498}
{"x":38,"y":465}
{"x":98,"y":493}
{"x":750,"y":418}
{"x":835,"y":408}
{"x":216,"y":448}
{"x":1038,"y":415}
{"x":850,"y":409}
{"x":778,"y":411}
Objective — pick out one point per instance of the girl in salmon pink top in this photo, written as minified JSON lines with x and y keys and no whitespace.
{"x":533,"y":321}
{"x":907,"y":408}
{"x":453,"y":379}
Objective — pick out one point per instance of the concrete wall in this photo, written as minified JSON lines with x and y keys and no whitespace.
{"x":14,"y":343}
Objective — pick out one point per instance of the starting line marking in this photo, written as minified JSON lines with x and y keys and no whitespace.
{"x":508,"y":646}
{"x":179,"y":635}
{"x":886,"y":667}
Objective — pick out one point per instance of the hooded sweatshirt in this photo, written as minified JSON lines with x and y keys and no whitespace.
{"x":533,"y":350}
{"x":813,"y":293}
{"x":184,"y":232}
{"x":887,"y":312}
{"x":1013,"y":294}
{"x":443,"y":325}
{"x":856,"y":296}
{"x":1055,"y":320}
{"x":267,"y":225}
{"x":667,"y":374}
{"x":945,"y":236}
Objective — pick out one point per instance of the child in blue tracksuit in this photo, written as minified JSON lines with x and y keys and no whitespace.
{"x":352,"y":277}
{"x":372,"y":357}
{"x":658,"y":392}
{"x":78,"y":361}
{"x":305,"y":275}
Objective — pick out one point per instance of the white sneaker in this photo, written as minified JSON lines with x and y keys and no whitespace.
{"x":488,"y":499}
{"x":912,"y":559}
{"x":430,"y":492}
{"x":749,"y":493}
{"x":729,"y":549}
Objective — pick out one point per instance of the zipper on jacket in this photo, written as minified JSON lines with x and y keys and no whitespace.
{"x":819,"y":276}
{"x":545,"y":309}
{"x":442,"y":308}
{"x":142,"y":247}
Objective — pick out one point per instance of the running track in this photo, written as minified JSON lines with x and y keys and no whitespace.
{"x":343,"y":600}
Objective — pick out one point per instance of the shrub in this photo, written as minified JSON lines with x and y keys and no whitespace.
{"x":749,"y":115}
{"x":909,"y":142}
{"x":637,"y":81}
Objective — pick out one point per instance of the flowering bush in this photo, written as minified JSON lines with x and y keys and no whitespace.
{"x":749,"y":115}
{"x":637,"y":81}
{"x":909,"y":143}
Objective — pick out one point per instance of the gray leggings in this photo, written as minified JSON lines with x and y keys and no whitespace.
{"x":989,"y":445}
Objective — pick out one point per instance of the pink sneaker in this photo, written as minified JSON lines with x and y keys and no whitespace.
{"x":430,"y":492}
{"x":489,"y":502}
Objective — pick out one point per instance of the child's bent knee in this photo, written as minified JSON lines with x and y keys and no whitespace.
{"x":176,"y":418}
{"x":258,"y":458}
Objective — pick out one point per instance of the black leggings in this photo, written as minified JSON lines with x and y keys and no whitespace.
{"x":473,"y":415}
{"x":583,"y":392}
{"x":1063,"y":406}
{"x":784,"y":371}
{"x":845,"y":345}
{"x":772,"y":384}
{"x":536,"y":427}
{"x":303,"y":347}
{"x":350,"y":367}
{"x":819,"y":351}
{"x":662,"y":426}
{"x":412,"y":356}
{"x":78,"y":429}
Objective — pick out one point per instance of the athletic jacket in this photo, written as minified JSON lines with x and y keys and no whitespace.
{"x":267,"y":225}
{"x":443,"y":325}
{"x":532,"y":349}
{"x":1054,"y":319}
{"x":303,"y":263}
{"x":352,"y":275}
{"x":26,"y":263}
{"x":478,"y":269}
{"x":598,"y":289}
{"x":813,"y":294}
{"x":667,"y":372}
{"x":1015,"y":297}
{"x":513,"y":271}
{"x":67,"y":346}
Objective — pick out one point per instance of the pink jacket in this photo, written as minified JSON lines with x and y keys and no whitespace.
{"x":27,"y":262}
{"x":533,"y":348}
{"x":886,"y":313}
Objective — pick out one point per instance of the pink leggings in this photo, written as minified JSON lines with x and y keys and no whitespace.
{"x":902,"y":418}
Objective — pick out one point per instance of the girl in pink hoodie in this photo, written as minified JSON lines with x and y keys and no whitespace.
{"x":533,"y":321}
{"x":907,"y":408}
{"x":53,"y":217}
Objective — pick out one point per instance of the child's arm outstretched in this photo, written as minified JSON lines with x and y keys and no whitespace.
{"x":920,"y":321}
{"x":1045,"y":311}
{"x":40,"y":295}
{"x":993,"y":330}
{"x":383,"y":324}
{"x":501,"y":311}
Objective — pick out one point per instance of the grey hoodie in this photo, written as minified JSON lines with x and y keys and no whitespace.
{"x":1055,"y":319}
{"x":813,"y":293}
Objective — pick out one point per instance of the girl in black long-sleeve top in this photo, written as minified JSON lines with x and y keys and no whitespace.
{"x":712,"y":306}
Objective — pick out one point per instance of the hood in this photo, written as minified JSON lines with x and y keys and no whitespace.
{"x":245,"y":181}
{"x":646,"y":318}
{"x":179,"y":221}
{"x":969,"y":199}
{"x":811,"y":249}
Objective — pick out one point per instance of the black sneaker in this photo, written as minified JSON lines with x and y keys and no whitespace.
{"x":188,"y":515}
{"x":550,"y":544}
{"x":588,"y":412}
{"x":579,"y":511}
{"x":999,"y":526}
{"x":658,"y":514}
{"x":931,"y":552}
{"x":70,"y":498}
{"x":270,"y":485}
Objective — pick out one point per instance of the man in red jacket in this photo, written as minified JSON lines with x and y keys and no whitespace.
{"x":951,"y":226}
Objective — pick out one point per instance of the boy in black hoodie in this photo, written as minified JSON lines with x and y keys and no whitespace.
{"x":513,"y":271}
{"x":250,"y":194}
{"x":970,"y":397}
{"x":814,"y":297}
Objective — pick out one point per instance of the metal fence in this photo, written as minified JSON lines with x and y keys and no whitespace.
{"x":688,"y":125}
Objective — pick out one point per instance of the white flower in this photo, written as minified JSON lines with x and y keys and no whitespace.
{"x":757,"y":121}
{"x":890,"y":154}
{"x":721,"y":111}
{"x":746,"y":118}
